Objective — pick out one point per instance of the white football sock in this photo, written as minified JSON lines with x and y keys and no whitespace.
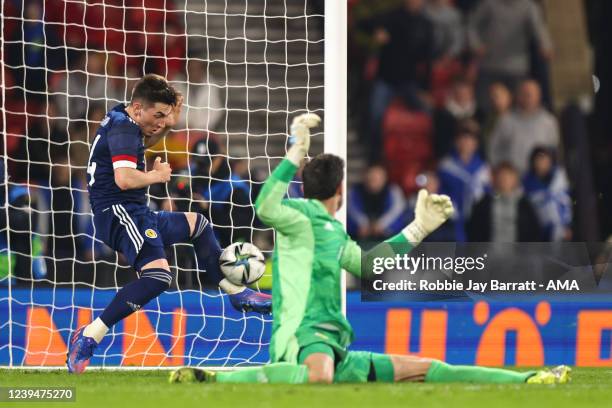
{"x":96,"y":329}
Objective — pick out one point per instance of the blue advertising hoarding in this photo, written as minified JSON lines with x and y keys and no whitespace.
{"x":203,"y":329}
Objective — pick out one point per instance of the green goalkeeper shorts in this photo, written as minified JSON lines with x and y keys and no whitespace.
{"x":350,"y":366}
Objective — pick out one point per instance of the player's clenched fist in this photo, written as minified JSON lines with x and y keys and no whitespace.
{"x":162,"y":169}
{"x":431,"y":211}
{"x":300,"y":131}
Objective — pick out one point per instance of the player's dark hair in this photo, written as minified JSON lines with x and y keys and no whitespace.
{"x":153,"y":88}
{"x":322,"y":176}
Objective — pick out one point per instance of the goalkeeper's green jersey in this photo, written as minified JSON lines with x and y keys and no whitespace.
{"x":311,"y":249}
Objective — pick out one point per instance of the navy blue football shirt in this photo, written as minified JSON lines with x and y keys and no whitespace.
{"x":118,"y":143}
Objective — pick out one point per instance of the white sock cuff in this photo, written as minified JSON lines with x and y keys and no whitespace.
{"x":96,"y":329}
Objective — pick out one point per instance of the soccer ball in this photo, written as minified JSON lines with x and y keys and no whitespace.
{"x":242,"y":263}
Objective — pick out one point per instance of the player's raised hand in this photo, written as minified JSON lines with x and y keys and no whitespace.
{"x":431,"y":211}
{"x":300,"y":131}
{"x":162,"y":169}
{"x":300,"y":126}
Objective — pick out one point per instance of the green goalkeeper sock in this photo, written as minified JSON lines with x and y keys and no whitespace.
{"x":442,"y":372}
{"x":278,"y":373}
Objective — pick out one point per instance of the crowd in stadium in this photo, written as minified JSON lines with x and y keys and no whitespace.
{"x":460,"y":107}
{"x":441,"y":100}
{"x":67,"y":64}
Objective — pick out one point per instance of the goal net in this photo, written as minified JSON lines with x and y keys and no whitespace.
{"x":245,"y":67}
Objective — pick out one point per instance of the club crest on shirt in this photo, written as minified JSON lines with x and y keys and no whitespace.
{"x":151,"y":233}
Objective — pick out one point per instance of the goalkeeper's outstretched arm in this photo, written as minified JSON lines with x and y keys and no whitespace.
{"x":269,"y":204}
{"x":432,"y":210}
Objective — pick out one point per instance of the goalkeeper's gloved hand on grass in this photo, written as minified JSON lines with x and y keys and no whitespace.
{"x":300,"y":132}
{"x":431,"y":211}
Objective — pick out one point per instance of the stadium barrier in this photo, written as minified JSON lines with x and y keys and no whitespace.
{"x":173,"y":331}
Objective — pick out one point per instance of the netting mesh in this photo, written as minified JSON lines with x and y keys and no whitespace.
{"x":245,"y":67}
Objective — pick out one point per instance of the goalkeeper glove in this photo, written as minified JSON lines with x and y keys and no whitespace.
{"x":431,"y":211}
{"x":300,"y":131}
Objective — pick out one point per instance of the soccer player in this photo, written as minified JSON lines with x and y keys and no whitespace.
{"x":117,"y":183}
{"x":310,"y":335}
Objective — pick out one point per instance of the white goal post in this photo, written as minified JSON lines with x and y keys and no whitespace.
{"x":336,"y":92}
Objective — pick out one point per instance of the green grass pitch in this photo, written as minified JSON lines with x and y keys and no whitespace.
{"x":591,"y":387}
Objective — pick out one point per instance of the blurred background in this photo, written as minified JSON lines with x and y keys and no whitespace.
{"x":501,"y":104}
{"x":492,"y":102}
{"x":245,"y":69}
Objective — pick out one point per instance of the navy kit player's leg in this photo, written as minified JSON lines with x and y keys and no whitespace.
{"x":132,"y":230}
{"x":141,"y":236}
{"x":208,"y":251}
{"x":194,"y":228}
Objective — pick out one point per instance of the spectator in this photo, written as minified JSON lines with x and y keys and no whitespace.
{"x":32,"y":51}
{"x":431,"y":182}
{"x":506,"y":214}
{"x":20,"y":227}
{"x":36,"y":149}
{"x":202,"y":104}
{"x":449,"y":34}
{"x":228,"y":196}
{"x":33,"y":153}
{"x":501,"y":102}
{"x":76,"y":90}
{"x":14,"y":121}
{"x":377,"y":208}
{"x":70,"y":223}
{"x":464,"y":175}
{"x":516,"y":135}
{"x":547,"y":187}
{"x":460,"y":104}
{"x":156,"y":41}
{"x":240,"y":169}
{"x":78,"y":147}
{"x":500,"y":33}
{"x":406,"y":38}
{"x":117,"y":73}
{"x":58,"y":131}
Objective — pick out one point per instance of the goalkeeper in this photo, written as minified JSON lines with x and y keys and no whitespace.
{"x":310,"y":334}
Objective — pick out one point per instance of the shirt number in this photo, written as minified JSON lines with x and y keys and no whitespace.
{"x":91,"y":169}
{"x":91,"y":166}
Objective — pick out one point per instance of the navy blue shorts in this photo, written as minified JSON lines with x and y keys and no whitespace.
{"x":139,"y":233}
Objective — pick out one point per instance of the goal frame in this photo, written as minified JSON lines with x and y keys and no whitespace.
{"x":335,"y":140}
